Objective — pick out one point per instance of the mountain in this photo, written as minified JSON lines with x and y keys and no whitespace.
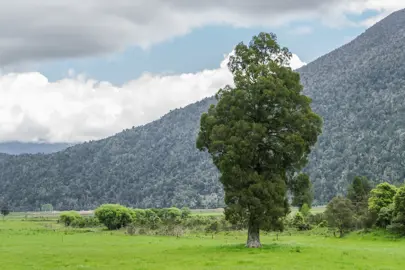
{"x":358,"y":89}
{"x":16,"y":148}
{"x":154,"y":165}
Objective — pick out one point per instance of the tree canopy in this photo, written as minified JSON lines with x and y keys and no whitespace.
{"x":260,"y":131}
{"x":302,"y":191}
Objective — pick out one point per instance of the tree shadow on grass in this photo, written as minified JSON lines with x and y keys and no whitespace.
{"x":272,"y":247}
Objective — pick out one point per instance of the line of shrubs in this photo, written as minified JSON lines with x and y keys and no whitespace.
{"x":163,"y":221}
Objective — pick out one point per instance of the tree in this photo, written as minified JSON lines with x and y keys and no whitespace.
{"x":114,"y":216}
{"x":259,"y":133}
{"x":47,"y":207}
{"x":398,"y":220}
{"x":340,"y":214}
{"x":4,"y":210}
{"x":358,"y":192}
{"x":381,"y":196}
{"x":68,"y":217}
{"x":302,"y":191}
{"x":305,"y":210}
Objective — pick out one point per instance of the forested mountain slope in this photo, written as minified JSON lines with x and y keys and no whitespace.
{"x":154,"y":165}
{"x":358,"y":89}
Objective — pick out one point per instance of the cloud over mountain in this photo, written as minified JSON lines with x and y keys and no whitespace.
{"x":78,"y":109}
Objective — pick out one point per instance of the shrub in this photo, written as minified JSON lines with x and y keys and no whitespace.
{"x":316,"y":219}
{"x":305,"y":210}
{"x":69,"y":217}
{"x":85,"y":222}
{"x":114,"y":216}
{"x":140,"y":217}
{"x":213,"y":227}
{"x":151,"y":219}
{"x":185,"y":212}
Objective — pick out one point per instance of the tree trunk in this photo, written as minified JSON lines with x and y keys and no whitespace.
{"x":253,"y":240}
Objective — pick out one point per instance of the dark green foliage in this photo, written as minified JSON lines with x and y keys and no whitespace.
{"x":340,"y":214}
{"x":114,"y":216}
{"x":385,"y":216}
{"x":398,"y":213}
{"x":69,"y":217}
{"x":260,"y":130}
{"x":358,"y":192}
{"x":4,"y":209}
{"x":302,"y":191}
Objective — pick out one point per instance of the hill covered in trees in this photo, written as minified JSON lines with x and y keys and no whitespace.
{"x":358,"y":89}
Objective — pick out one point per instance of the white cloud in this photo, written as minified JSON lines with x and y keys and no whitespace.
{"x":43,"y":29}
{"x":79,"y":109}
{"x":302,"y":30}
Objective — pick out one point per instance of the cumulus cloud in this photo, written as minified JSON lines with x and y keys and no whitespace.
{"x":78,"y":109}
{"x":44,"y":29}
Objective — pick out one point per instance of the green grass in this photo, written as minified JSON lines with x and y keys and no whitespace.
{"x":46,"y":245}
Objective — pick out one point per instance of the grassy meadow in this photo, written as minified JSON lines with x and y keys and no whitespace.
{"x":42,"y":243}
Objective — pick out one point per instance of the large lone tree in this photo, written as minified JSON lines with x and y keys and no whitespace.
{"x":259,"y":133}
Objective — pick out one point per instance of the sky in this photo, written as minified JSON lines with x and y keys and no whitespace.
{"x":73,"y":71}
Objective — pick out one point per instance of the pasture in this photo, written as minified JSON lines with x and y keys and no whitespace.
{"x":36,"y":243}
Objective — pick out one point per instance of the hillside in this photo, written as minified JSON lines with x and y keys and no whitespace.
{"x":358,"y":89}
{"x":149,"y":166}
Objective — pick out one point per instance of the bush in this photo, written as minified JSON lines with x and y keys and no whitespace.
{"x":140,"y":217}
{"x":185,"y":212}
{"x":170,"y":216}
{"x":114,"y":216}
{"x":69,"y":217}
{"x":85,"y":222}
{"x":305,"y":210}
{"x":298,"y":222}
{"x":151,"y":220}
{"x":316,"y":219}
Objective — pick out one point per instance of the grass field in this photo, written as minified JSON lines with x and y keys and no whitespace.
{"x":46,"y":245}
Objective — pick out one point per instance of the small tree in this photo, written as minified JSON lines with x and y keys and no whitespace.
{"x":385,"y":216}
{"x":4,"y":210}
{"x":340,"y":214}
{"x":302,"y":191}
{"x":68,"y":217}
{"x":358,"y":192}
{"x":305,"y":210}
{"x":260,"y":131}
{"x":47,"y":207}
{"x":398,"y":221}
{"x":114,"y":216}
